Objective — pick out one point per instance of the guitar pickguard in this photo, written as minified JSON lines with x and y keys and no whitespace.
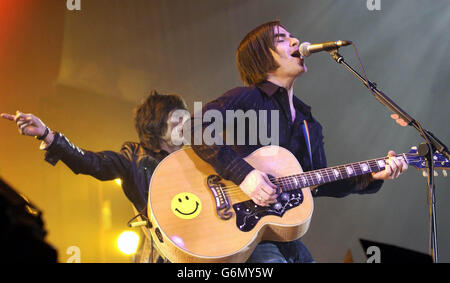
{"x":248,"y":213}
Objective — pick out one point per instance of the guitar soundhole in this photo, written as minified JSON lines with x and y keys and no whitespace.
{"x":248,"y":213}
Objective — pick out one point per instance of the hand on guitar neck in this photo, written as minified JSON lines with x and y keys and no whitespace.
{"x":394,"y":168}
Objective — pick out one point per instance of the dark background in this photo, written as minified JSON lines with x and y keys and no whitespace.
{"x":82,"y":72}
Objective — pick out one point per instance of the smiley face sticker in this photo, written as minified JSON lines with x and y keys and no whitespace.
{"x":186,"y":205}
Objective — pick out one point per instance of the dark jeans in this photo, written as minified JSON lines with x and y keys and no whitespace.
{"x":281,"y":252}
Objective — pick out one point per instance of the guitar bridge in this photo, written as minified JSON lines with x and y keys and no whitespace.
{"x":222,"y":202}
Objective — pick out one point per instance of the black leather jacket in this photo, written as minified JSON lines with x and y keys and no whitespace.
{"x":133,"y":164}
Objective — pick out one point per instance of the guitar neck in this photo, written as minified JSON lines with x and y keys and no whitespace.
{"x":331,"y":174}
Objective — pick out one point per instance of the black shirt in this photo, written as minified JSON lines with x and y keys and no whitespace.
{"x":228,"y":160}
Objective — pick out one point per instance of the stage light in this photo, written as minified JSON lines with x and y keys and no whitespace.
{"x":128,"y":242}
{"x":118,"y":182}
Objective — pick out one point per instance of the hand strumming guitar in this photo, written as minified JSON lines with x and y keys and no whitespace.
{"x":259,"y":188}
{"x":263,"y":192}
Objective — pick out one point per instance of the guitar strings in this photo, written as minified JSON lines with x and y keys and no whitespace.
{"x":235,"y":190}
{"x":286,"y":181}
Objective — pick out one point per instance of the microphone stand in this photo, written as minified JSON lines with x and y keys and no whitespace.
{"x":431,"y":145}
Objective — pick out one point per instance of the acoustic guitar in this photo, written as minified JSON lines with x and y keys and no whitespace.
{"x":196,"y":216}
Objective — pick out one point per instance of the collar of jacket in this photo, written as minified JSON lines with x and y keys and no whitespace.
{"x":152,"y":152}
{"x":269,"y":89}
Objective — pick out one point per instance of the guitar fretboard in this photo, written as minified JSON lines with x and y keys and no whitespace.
{"x":331,"y":174}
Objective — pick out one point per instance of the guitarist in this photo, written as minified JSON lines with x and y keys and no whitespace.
{"x":269,"y":63}
{"x":133,"y":164}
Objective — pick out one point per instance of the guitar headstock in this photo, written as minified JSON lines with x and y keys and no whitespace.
{"x":417,"y":161}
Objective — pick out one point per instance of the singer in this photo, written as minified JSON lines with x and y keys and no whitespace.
{"x":269,"y":62}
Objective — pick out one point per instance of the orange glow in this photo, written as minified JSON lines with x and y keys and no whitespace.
{"x":13,"y":14}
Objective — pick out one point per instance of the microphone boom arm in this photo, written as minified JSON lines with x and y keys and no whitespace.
{"x":386,"y":101}
{"x":432,"y":144}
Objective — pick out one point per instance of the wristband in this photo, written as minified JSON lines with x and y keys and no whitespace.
{"x":44,"y":135}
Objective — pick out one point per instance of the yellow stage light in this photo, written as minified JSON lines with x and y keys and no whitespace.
{"x":118,"y":182}
{"x":128,"y":242}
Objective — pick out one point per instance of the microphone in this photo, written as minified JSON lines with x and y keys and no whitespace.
{"x":306,"y":48}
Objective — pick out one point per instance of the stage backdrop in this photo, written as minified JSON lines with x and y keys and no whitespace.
{"x":83,"y":71}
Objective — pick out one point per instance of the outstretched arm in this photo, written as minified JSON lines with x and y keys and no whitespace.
{"x":105,"y":165}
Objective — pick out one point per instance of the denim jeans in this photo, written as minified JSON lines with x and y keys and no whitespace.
{"x":281,"y":252}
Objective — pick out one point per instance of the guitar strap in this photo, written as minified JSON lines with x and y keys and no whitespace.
{"x":308,"y":140}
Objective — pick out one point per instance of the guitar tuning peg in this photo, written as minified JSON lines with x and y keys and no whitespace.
{"x":444,"y":173}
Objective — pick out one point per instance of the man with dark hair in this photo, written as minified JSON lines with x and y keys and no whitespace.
{"x":254,"y":57}
{"x":134,"y":163}
{"x":151,"y":121}
{"x":269,"y":61}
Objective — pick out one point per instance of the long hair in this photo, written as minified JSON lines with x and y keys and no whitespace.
{"x":253,"y":57}
{"x":150,"y":117}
